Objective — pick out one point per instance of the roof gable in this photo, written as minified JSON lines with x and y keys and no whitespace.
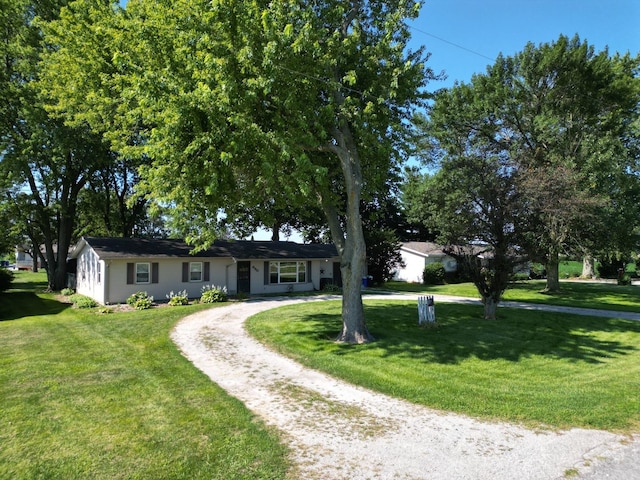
{"x":423,"y":248}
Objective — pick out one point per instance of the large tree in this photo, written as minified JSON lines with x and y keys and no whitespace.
{"x":248,"y":101}
{"x":42,"y":157}
{"x":81,"y":81}
{"x":560,"y":113}
{"x":475,"y":203}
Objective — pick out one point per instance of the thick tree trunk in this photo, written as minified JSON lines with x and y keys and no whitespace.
{"x":349,"y":238}
{"x":490,"y":308}
{"x":553,"y":275}
{"x":588,"y":267}
{"x":354,"y":328}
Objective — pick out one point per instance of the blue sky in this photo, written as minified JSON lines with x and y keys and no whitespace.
{"x":485,"y":28}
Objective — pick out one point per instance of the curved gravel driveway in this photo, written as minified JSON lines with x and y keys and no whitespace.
{"x":339,"y":431}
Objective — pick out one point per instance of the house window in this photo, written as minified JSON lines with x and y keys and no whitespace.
{"x":195,"y":271}
{"x":143,"y":271}
{"x":99,"y":270}
{"x":287,"y":272}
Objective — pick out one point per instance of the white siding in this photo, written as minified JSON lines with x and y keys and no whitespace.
{"x":169,"y":278}
{"x":90,"y":275}
{"x":413,"y":269}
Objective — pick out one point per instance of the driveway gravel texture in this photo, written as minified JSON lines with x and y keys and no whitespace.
{"x":338,"y":431}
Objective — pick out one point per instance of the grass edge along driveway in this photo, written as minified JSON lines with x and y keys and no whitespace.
{"x":85,"y":395}
{"x":541,"y":369}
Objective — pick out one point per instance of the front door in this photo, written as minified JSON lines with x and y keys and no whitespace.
{"x":244,"y":277}
{"x":337,"y":274}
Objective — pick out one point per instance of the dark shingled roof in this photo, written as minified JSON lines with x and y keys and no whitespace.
{"x":239,"y":249}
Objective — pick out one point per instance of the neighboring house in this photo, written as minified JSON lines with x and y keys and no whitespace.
{"x":109,"y":270}
{"x":24,"y":260}
{"x":417,"y":255}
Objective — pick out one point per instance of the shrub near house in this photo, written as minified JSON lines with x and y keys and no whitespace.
{"x":433,"y":274}
{"x":140,"y":301}
{"x":213,"y":294}
{"x":6,"y":277}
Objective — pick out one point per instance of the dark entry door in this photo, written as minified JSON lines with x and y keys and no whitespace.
{"x":244,"y":277}
{"x":337,"y":274}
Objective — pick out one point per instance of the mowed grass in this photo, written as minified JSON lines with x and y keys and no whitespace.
{"x":109,"y":396}
{"x":603,"y":296}
{"x":540,"y":369}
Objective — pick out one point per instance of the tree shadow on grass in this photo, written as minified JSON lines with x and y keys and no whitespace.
{"x":18,"y":304}
{"x":462,"y":334}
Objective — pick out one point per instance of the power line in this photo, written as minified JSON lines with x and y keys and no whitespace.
{"x":451,"y":43}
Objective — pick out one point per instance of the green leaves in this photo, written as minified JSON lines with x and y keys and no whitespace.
{"x":549,"y":121}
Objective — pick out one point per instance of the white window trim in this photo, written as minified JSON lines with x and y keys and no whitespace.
{"x":148,"y":264}
{"x":301,"y":267}
{"x":191,"y":272}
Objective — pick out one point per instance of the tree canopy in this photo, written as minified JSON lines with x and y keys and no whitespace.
{"x":541,"y":146}
{"x":232,"y":106}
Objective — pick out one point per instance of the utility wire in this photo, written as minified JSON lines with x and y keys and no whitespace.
{"x":451,"y":43}
{"x":364,"y":95}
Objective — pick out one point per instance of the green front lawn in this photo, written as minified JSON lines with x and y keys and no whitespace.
{"x":108,"y":396}
{"x":536,"y":368}
{"x":88,"y":395}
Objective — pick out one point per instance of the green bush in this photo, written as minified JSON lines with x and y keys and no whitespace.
{"x":67,"y":292}
{"x":140,"y":301}
{"x":624,"y":279}
{"x":433,"y":274}
{"x":610,"y":266}
{"x":213,"y":294}
{"x":331,"y":287}
{"x":82,"y":301}
{"x":460,"y":275}
{"x":6,"y":277}
{"x":180,"y":298}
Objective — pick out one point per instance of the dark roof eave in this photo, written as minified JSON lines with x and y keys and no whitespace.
{"x":121,"y":248}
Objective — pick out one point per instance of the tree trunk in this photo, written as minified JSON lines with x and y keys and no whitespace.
{"x":349,"y":238}
{"x":275,"y":232}
{"x":490,"y":308}
{"x":553,"y":275}
{"x":588,"y":267}
{"x":354,"y":328}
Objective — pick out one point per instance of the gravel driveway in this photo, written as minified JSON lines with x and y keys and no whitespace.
{"x":338,"y":431}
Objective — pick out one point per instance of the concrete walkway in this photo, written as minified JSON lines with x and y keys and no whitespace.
{"x":339,"y":431}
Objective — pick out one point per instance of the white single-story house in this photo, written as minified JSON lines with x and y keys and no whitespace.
{"x":417,"y":255}
{"x":24,"y":260}
{"x":109,"y":270}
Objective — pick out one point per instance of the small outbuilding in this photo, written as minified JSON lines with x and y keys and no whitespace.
{"x":109,"y":270}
